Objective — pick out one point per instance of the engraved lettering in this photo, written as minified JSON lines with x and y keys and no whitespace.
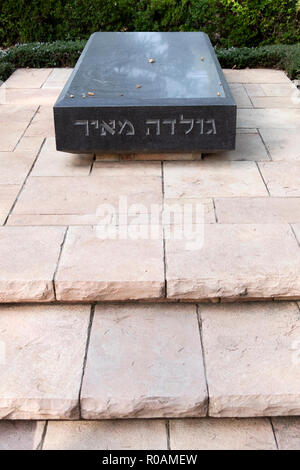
{"x":155,"y":122}
{"x":130,"y":130}
{"x":190,"y":122}
{"x":111,"y":127}
{"x":213,"y":129}
{"x":172,"y":122}
{"x":85,"y":124}
{"x":201,"y":122}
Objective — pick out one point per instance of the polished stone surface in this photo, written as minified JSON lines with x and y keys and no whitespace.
{"x":146,"y":92}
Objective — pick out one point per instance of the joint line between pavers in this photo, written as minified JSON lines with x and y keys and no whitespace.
{"x":265,"y":145}
{"x":215,"y":210}
{"x":274,"y":433}
{"x":51,"y":71}
{"x":92,"y":164}
{"x":22,"y":135}
{"x":168,"y":434}
{"x":163,"y":229}
{"x":250,"y":99}
{"x":41,"y":443}
{"x":58,"y":261}
{"x":199,"y":319}
{"x":261,"y":175}
{"x":24,"y":182}
{"x":92,"y":314}
{"x":294,"y":233}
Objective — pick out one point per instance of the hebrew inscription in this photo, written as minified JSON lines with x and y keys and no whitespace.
{"x":182,"y":125}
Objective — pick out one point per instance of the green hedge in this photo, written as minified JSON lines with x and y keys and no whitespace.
{"x":229,"y":23}
{"x":66,"y":54}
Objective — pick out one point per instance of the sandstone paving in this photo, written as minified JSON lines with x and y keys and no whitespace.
{"x":287,"y":431}
{"x":281,"y":178}
{"x":43,"y":349}
{"x":251,"y":357}
{"x":240,"y":95}
{"x":125,"y":264}
{"x":30,"y":143}
{"x":233,"y":261}
{"x":144,"y":361}
{"x":15,"y":166}
{"x":206,"y":179}
{"x":53,"y":163}
{"x":29,"y":97}
{"x":277,"y":118}
{"x":28,"y":259}
{"x":283,"y":144}
{"x":98,"y":196}
{"x":21,"y":435}
{"x":221,"y":434}
{"x":249,"y":147}
{"x":264,"y":210}
{"x":10,"y":134}
{"x":8,"y":194}
{"x":286,"y":102}
{"x":106,"y":434}
{"x":256,"y":76}
{"x":57,"y":78}
{"x":28,"y":78}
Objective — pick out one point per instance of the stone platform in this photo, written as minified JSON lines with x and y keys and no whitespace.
{"x":50,"y":248}
{"x":193,"y":434}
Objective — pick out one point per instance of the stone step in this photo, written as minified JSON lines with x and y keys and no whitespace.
{"x":176,"y":434}
{"x":227,"y":262}
{"x":135,"y":360}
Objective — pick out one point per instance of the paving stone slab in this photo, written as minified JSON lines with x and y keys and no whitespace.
{"x":264,"y":210}
{"x":30,"y":144}
{"x":281,"y":178}
{"x":278,"y":118}
{"x":234,"y":262}
{"x":96,"y":267}
{"x":249,"y":147}
{"x":42,"y":124}
{"x":29,"y":97}
{"x":250,"y":355}
{"x":240,"y":95}
{"x":8,"y":194}
{"x":21,"y":435}
{"x":221,"y":434}
{"x":158,"y":369}
{"x":28,"y":78}
{"x":28,"y":259}
{"x":283,"y":144}
{"x":43,"y":350}
{"x":256,"y":76}
{"x":96,"y":196}
{"x":206,"y":179}
{"x":15,"y":166}
{"x":286,"y":102}
{"x":287,"y":431}
{"x":10,"y":135}
{"x":103,"y":435}
{"x":53,"y":163}
{"x":57,"y":78}
{"x":279,"y":89}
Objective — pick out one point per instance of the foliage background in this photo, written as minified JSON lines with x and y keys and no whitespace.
{"x":229,"y":23}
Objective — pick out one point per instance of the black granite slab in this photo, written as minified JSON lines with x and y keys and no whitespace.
{"x":146,"y":92}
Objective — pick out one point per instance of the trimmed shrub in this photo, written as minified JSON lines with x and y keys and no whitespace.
{"x":229,"y":23}
{"x":66,"y":54}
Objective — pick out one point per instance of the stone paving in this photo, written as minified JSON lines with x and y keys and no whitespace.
{"x":184,"y":434}
{"x":145,"y":360}
{"x":51,"y":202}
